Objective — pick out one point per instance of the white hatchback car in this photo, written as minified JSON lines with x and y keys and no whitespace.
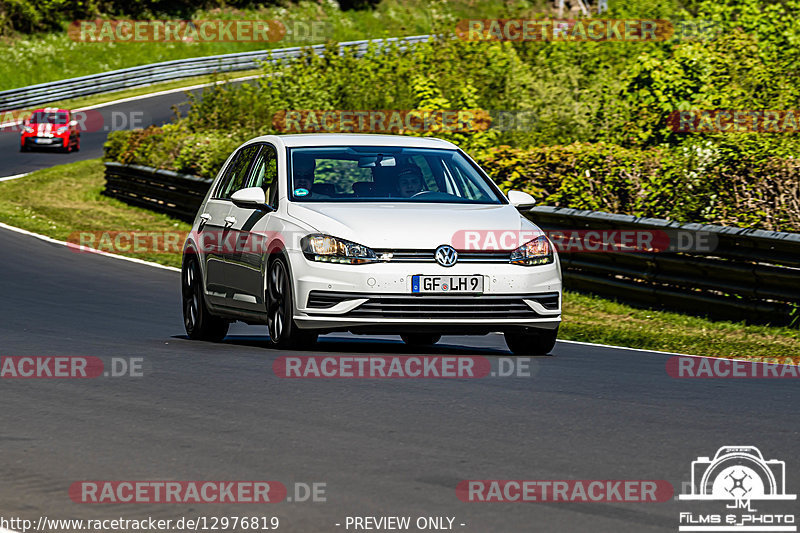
{"x":312,"y":234}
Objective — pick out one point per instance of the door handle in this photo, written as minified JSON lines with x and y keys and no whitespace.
{"x":230,"y":221}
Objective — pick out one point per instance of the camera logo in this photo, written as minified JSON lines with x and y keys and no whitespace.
{"x":738,"y":473}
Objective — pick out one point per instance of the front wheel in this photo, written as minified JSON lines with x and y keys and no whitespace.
{"x":531,"y":342}
{"x":199,"y":323}
{"x":283,"y":332}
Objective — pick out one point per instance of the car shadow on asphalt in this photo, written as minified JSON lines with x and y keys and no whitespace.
{"x":365,"y":345}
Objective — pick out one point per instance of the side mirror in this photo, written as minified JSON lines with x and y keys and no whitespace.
{"x":252,"y":198}
{"x":521,"y":200}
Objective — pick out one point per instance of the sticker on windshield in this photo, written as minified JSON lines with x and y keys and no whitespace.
{"x":300,"y":192}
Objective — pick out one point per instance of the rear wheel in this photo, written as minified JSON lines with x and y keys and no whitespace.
{"x":420,"y":339}
{"x":199,"y":323}
{"x":531,"y":342}
{"x":283,"y":332}
{"x":23,"y":148}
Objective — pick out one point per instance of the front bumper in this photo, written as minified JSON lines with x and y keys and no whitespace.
{"x":45,"y":142}
{"x":338,"y":296}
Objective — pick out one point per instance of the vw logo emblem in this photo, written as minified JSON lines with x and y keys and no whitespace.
{"x":446,"y":255}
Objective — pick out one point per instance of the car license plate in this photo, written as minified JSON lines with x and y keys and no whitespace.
{"x":44,"y":141}
{"x":459,"y":284}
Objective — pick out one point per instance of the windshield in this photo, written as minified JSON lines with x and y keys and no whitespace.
{"x":369,"y":173}
{"x":47,"y":117}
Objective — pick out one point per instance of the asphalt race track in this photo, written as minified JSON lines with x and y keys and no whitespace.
{"x":206,"y":411}
{"x":124,"y":115}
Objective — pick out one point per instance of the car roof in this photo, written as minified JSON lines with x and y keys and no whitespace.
{"x":355,"y":139}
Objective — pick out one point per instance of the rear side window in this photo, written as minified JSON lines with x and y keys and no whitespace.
{"x":236,"y":175}
{"x":265,"y":172}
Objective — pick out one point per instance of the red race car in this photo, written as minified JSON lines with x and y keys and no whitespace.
{"x":50,"y":128}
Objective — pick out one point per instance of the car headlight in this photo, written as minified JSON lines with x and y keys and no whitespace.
{"x":539,"y":251}
{"x":333,"y":250}
{"x":27,"y":129}
{"x":61,"y":130}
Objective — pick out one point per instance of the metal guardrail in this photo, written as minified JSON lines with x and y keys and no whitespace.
{"x":127,"y":78}
{"x":748,"y":274}
{"x":164,"y":191}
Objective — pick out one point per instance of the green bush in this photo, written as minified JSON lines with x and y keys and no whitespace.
{"x":601,"y":138}
{"x":173,"y":147}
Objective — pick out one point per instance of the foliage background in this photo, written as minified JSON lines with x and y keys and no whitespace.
{"x":600,"y":139}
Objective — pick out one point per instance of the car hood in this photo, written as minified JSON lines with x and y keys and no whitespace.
{"x":408,"y":226}
{"x":45,"y":127}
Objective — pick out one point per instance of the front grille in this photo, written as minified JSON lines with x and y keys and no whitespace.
{"x":427,"y":256}
{"x":433,"y":306}
{"x":421,"y":307}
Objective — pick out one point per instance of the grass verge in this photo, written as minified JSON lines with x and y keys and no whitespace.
{"x":63,"y":200}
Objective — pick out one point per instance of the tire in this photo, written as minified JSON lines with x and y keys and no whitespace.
{"x":23,"y":148}
{"x":198,"y":321}
{"x":283,"y":332}
{"x":420,"y":339}
{"x":78,"y":144}
{"x":531,"y":342}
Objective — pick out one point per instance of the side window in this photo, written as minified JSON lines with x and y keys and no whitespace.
{"x":237,"y":172}
{"x":265,"y":172}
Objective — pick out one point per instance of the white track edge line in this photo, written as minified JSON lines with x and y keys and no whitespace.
{"x":672,"y":353}
{"x":9,"y":178}
{"x":633,"y":349}
{"x":86,"y":249}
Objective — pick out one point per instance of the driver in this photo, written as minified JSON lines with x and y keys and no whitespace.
{"x":409,"y":181}
{"x":303,"y":177}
